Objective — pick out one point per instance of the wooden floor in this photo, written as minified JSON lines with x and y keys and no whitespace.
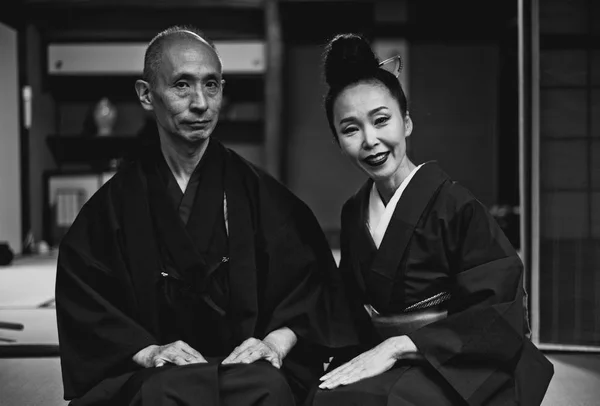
{"x":34,"y":378}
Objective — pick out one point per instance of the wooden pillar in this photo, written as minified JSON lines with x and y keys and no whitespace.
{"x":529,"y":154}
{"x":273,"y":90}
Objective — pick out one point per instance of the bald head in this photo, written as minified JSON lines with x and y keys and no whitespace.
{"x":154,"y":52}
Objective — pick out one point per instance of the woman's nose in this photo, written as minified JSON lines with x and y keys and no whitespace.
{"x":369,"y":139}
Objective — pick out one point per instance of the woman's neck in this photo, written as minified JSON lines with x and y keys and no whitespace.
{"x":388,"y":186}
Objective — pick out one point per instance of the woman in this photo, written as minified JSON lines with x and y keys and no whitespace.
{"x":437,"y":287}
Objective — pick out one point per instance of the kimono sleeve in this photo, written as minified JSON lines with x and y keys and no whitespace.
{"x":305,"y":283}
{"x":477,"y":347}
{"x":95,"y":306}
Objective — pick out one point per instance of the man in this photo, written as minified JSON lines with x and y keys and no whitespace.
{"x":193,"y":277}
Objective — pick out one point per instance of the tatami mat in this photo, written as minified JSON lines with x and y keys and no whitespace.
{"x":33,"y":377}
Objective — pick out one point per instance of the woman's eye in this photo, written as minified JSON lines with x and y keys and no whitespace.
{"x":349,"y":130}
{"x":381,"y":120}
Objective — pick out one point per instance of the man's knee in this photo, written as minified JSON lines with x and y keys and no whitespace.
{"x":259,"y":381}
{"x":179,"y":385}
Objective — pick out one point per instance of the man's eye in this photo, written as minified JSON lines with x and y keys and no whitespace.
{"x":181,"y":85}
{"x":213,"y":86}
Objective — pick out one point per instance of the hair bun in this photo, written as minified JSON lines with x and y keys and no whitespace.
{"x":348,"y":57}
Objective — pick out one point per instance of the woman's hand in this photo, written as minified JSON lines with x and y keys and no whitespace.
{"x":370,"y":363}
{"x":178,"y":353}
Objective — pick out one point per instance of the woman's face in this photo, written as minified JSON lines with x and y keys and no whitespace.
{"x":372,"y":131}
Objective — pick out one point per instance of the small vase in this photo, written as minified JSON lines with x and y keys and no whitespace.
{"x":105,"y":115}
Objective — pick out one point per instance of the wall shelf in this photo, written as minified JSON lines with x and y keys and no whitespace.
{"x":100,"y":150}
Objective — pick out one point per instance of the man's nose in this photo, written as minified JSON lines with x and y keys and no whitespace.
{"x":199,"y":100}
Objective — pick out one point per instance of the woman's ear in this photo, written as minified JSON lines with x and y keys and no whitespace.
{"x":408,"y":126}
{"x":142,"y":88}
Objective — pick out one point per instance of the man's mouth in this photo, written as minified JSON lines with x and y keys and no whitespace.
{"x":199,"y":124}
{"x":376,"y":159}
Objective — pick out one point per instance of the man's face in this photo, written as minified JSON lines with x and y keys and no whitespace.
{"x":187,"y":94}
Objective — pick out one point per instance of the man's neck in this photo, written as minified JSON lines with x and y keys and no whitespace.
{"x":182,"y":159}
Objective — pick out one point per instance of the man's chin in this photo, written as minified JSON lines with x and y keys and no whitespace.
{"x":198,"y":137}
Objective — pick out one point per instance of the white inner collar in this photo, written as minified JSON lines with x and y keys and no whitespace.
{"x":379,"y":215}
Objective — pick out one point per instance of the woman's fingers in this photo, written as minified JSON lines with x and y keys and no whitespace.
{"x":344,"y":377}
{"x":342,"y":369}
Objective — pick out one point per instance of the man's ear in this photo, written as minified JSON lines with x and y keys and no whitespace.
{"x":408,"y":126}
{"x":142,"y":88}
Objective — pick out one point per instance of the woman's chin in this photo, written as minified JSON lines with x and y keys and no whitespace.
{"x":377,"y":173}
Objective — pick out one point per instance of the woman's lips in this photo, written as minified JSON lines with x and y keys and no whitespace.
{"x":376,"y":159}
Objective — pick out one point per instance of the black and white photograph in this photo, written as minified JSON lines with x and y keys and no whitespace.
{"x":300,"y":203}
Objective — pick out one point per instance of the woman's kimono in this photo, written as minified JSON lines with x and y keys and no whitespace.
{"x":440,"y":238}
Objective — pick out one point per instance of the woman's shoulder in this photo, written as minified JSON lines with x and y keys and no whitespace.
{"x":453,"y":196}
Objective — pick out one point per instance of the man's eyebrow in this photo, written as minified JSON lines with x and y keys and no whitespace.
{"x":189,"y":76}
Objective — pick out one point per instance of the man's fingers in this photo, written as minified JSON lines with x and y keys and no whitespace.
{"x":178,"y":353}
{"x":180,"y":360}
{"x":230,"y":359}
{"x":251,"y":355}
{"x":240,"y":357}
{"x":238,"y":351}
{"x":197,"y":357}
{"x":254,"y":353}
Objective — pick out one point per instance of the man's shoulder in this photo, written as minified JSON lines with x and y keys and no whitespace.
{"x":260,"y":177}
{"x":355,"y":201}
{"x":276,"y":201}
{"x":115,"y":189}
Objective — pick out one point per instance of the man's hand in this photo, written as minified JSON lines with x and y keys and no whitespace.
{"x":370,"y":363}
{"x":273,"y":348}
{"x":178,"y":353}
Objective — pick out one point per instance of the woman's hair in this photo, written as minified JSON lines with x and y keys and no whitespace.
{"x":349,"y":59}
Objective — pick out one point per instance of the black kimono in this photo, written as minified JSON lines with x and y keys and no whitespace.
{"x":441,"y":239}
{"x":145,"y":264}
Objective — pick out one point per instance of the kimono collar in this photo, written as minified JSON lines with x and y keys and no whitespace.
{"x":385,"y":270}
{"x":147,"y":204}
{"x":379,"y":215}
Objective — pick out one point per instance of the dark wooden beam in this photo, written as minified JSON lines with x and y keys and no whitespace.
{"x":64,"y":24}
{"x":145,"y":4}
{"x":273,"y":90}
